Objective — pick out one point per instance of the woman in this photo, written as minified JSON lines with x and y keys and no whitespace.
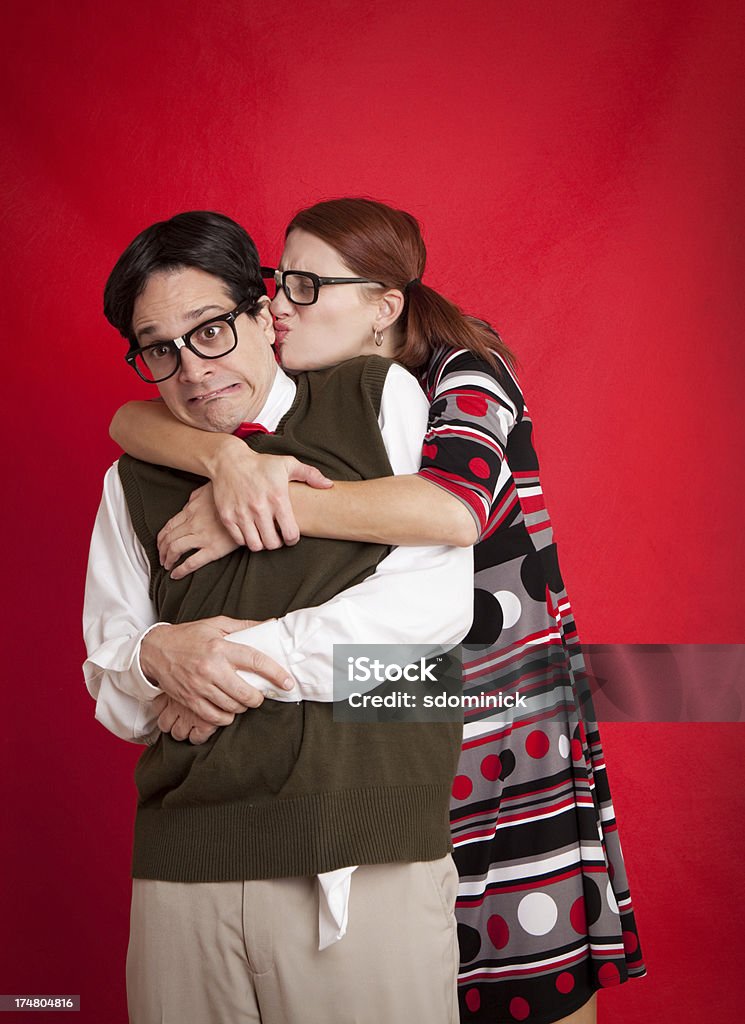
{"x":544,"y":911}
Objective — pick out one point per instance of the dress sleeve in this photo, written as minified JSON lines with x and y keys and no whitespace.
{"x":473,"y":409}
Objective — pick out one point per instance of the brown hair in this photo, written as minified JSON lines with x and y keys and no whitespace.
{"x":386,"y":245}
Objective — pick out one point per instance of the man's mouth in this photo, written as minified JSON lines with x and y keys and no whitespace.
{"x":217,"y":393}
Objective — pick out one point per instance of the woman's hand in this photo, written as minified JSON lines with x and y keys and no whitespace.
{"x":198,"y":526}
{"x":252,"y":497}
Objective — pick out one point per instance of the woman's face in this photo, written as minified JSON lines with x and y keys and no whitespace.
{"x":338,"y":326}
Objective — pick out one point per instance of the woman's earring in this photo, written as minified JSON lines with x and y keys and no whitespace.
{"x":377,"y":336}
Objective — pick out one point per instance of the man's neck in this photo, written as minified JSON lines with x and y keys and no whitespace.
{"x":278,"y":401}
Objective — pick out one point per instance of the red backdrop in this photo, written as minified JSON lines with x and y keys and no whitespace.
{"x":578,"y":170}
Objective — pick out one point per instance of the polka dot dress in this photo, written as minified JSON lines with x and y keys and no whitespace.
{"x":544,"y":911}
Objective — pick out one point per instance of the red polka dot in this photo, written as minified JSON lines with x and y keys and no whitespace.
{"x":576,"y":750}
{"x":630,"y":942}
{"x":565,"y":982}
{"x":472,"y":405}
{"x":462,"y":787}
{"x":498,"y":930}
{"x":582,"y":735}
{"x":578,"y":917}
{"x":519,"y":1008}
{"x":479,"y":468}
{"x":473,"y":1000}
{"x":608,"y":975}
{"x":491,"y":767}
{"x":429,"y":451}
{"x":537,"y":744}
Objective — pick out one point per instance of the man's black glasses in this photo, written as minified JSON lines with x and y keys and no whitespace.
{"x":209,"y":340}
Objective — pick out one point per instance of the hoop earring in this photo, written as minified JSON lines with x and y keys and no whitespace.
{"x":377,"y":336}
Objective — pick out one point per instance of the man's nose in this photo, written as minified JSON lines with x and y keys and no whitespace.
{"x":192,"y":368}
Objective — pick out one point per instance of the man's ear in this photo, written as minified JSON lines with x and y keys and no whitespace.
{"x":265,"y":320}
{"x":390,"y":306}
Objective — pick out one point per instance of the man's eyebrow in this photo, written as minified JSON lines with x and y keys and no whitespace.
{"x":195,"y":315}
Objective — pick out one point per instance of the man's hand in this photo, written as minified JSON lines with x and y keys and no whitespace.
{"x":180,"y":722}
{"x":196,"y":666}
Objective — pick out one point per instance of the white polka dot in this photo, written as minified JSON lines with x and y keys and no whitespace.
{"x":537,"y":913}
{"x":564,"y":746}
{"x":511,"y":607}
{"x":611,"y":897}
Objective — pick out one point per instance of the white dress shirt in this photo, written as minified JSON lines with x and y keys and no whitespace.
{"x":416,"y":595}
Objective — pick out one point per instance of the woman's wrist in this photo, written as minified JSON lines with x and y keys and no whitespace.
{"x":226,"y":451}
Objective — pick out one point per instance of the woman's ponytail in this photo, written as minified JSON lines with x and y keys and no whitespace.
{"x":430,"y":320}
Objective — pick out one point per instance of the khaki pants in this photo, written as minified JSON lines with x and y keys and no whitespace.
{"x":247,"y":952}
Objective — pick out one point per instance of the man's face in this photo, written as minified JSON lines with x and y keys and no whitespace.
{"x":211,"y":394}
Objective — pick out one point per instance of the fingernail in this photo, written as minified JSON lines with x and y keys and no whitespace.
{"x":287,"y":684}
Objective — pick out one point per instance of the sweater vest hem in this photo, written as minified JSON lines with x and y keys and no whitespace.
{"x":299,"y":836}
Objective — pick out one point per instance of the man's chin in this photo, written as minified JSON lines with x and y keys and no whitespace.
{"x":213,"y":419}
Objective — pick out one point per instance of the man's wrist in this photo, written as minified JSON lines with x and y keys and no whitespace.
{"x":147,"y":654}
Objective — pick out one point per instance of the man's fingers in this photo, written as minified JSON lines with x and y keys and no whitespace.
{"x":214,"y":700}
{"x":249,"y":659}
{"x":267,"y":528}
{"x":231,"y":701}
{"x":230,"y":625}
{"x":286,"y":523}
{"x":246,"y":531}
{"x":310,"y":475}
{"x":240,"y":534}
{"x":214,"y":714}
{"x":247,"y":696}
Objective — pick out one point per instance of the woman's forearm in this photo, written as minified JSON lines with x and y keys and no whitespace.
{"x":148,"y":431}
{"x":392,"y":510}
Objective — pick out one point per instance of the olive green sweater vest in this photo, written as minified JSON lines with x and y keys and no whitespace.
{"x":285,"y":790}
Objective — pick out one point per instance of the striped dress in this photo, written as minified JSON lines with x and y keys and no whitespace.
{"x":544,"y":912}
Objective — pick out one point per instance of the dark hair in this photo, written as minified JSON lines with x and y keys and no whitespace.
{"x":208,"y":241}
{"x":383,"y":244}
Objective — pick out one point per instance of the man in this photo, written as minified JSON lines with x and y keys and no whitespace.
{"x":233,"y":828}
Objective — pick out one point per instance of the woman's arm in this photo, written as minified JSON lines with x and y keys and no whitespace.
{"x":251,"y":490}
{"x":463,"y":476}
{"x":396,"y":510}
{"x":392,"y":510}
{"x":148,"y":431}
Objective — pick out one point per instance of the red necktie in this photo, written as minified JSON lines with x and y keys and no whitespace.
{"x":245,"y":429}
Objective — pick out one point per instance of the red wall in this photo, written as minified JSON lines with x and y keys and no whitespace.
{"x":578,"y":170}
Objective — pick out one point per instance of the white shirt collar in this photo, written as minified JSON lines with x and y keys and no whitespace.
{"x":280,"y":398}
